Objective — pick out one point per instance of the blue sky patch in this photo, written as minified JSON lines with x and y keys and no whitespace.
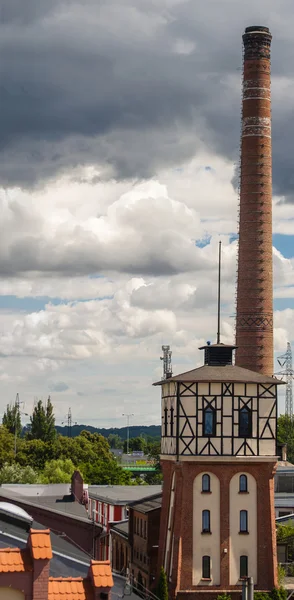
{"x":285,"y":244}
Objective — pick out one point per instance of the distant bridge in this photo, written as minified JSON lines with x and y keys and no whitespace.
{"x":138,"y":468}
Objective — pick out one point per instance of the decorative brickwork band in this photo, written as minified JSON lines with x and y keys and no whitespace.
{"x":254,"y":323}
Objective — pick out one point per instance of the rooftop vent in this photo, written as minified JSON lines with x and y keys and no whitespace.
{"x":11,"y":513}
{"x":218,"y":355}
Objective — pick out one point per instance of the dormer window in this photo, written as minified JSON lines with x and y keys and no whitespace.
{"x":245,"y":422}
{"x":209,"y":421}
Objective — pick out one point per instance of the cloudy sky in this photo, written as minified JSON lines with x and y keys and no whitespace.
{"x":120,"y":124}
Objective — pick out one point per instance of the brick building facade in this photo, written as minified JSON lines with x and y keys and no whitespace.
{"x":218,"y":460}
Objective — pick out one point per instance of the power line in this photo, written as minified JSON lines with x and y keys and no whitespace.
{"x":285,"y":360}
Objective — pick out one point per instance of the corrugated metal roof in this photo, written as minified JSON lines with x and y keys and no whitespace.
{"x":227,"y":373}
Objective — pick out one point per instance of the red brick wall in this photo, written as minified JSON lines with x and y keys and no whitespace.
{"x":40,"y":579}
{"x":183,"y":522}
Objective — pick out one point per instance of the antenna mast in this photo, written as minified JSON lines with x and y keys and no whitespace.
{"x":286,"y":361}
{"x":218,"y":291}
{"x":167,"y":364}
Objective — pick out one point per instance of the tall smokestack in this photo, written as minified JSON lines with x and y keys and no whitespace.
{"x":254,"y":325}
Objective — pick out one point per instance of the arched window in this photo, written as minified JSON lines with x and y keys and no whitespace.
{"x":243,"y":483}
{"x":205,"y":567}
{"x":206,"y":521}
{"x":209,"y":421}
{"x":205,"y":483}
{"x":245,"y":422}
{"x":243,"y":566}
{"x":243,"y":521}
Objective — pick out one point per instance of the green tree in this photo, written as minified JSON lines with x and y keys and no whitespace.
{"x":115,"y":441}
{"x":154,"y":478}
{"x":50,"y":422}
{"x":105,"y":472}
{"x":38,"y":423}
{"x":42,"y":426}
{"x":57,"y":471}
{"x":16,"y":474}
{"x":286,"y":434}
{"x":136,"y":444}
{"x":34,"y":453}
{"x":6,"y":446}
{"x":11,"y":419}
{"x":162,"y":589}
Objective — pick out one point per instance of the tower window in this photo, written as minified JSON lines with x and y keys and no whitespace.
{"x":205,"y":483}
{"x":243,"y":487}
{"x":206,"y":521}
{"x":243,"y":521}
{"x":205,"y":567}
{"x":209,"y":421}
{"x":245,"y":422}
{"x":243,"y":566}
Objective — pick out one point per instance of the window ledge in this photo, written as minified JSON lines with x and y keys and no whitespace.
{"x":241,"y":492}
{"x":206,"y":492}
{"x":206,"y":532}
{"x":243,"y":532}
{"x":206,"y":579}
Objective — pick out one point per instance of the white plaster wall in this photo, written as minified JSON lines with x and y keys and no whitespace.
{"x":206,"y":544}
{"x":243,"y":544}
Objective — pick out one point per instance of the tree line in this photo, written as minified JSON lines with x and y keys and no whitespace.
{"x":42,"y":455}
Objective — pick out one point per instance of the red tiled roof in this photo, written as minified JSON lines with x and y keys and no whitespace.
{"x":41,"y":544}
{"x":101,"y":573}
{"x":14,"y":560}
{"x":70,"y":589}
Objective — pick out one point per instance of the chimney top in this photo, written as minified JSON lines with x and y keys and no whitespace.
{"x":257,"y":28}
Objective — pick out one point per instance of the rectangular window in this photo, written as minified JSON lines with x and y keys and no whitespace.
{"x":243,"y":566}
{"x":145,"y":530}
{"x":206,"y":521}
{"x":243,"y":521}
{"x":245,"y":422}
{"x":209,"y":421}
{"x":205,"y":567}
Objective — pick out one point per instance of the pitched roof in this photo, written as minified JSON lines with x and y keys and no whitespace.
{"x":101,"y":573}
{"x":122,"y":528}
{"x":227,"y":373}
{"x":41,"y":544}
{"x":14,"y":560}
{"x":148,"y":504}
{"x":70,"y":589}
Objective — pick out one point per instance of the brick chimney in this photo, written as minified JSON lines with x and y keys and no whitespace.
{"x":254,"y":323}
{"x":77,"y":486}
{"x":41,"y":551}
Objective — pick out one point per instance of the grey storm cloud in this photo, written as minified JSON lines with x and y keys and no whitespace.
{"x":58,"y":386}
{"x":132,"y":86}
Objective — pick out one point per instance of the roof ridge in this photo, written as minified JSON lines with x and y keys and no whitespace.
{"x":42,"y":531}
{"x":67,"y":579}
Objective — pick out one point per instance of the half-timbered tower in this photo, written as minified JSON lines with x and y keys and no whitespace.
{"x":218,"y":455}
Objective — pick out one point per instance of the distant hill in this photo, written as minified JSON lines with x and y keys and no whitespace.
{"x":153,"y":431}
